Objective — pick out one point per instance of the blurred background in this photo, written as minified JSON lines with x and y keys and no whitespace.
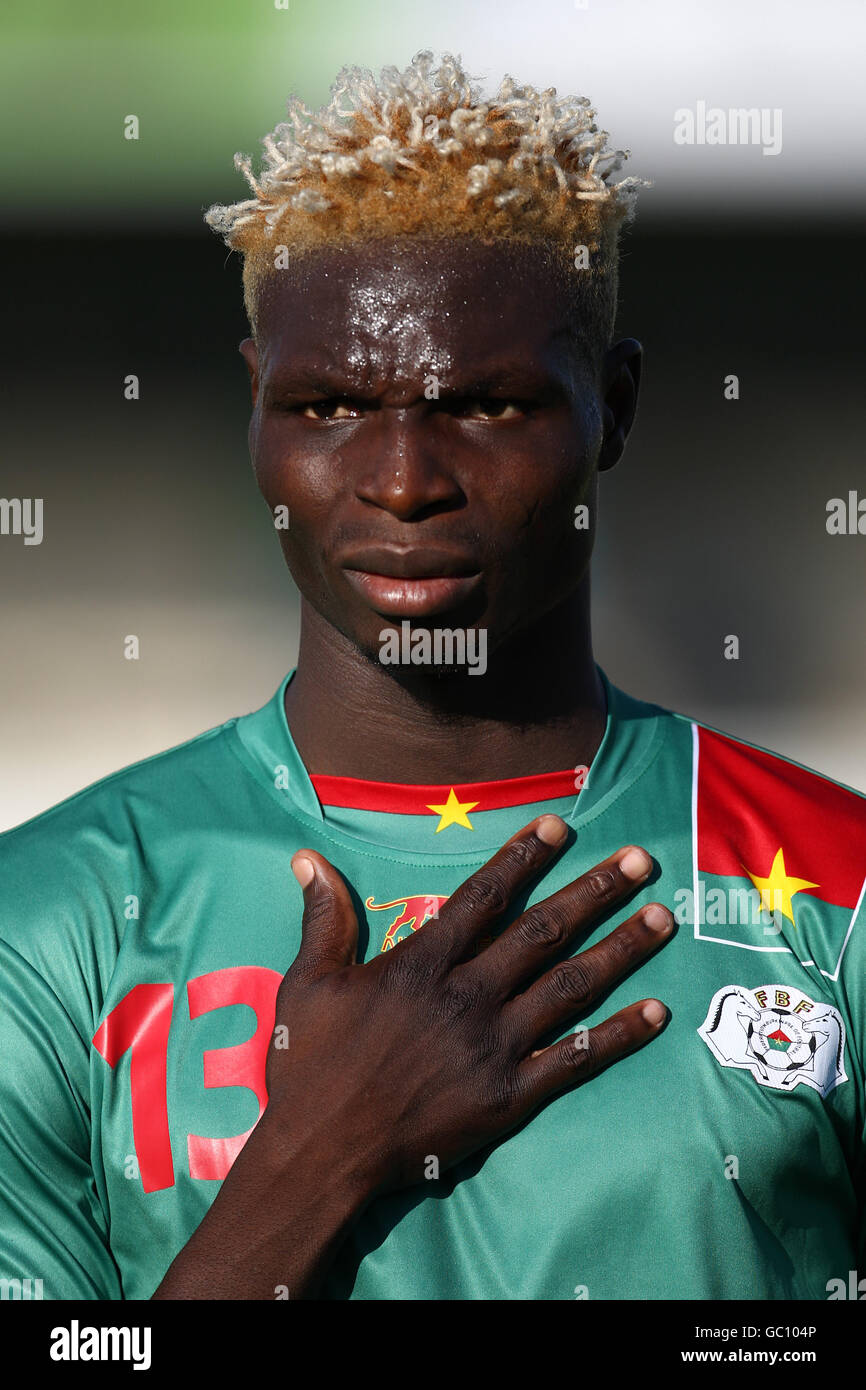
{"x":714,"y":523}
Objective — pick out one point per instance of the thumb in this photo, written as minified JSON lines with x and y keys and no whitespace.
{"x":329,"y":927}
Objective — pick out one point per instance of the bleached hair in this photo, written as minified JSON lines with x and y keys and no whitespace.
{"x":422,"y":153}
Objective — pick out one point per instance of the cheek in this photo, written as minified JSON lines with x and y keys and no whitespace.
{"x":547,"y":523}
{"x":297,"y":488}
{"x":573,"y":498}
{"x":301,"y":479}
{"x":550,"y":483}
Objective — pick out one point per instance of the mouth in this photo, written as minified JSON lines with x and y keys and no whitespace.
{"x":411,"y":583}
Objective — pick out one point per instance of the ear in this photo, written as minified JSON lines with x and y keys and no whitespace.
{"x":249,"y":353}
{"x":620,"y":377}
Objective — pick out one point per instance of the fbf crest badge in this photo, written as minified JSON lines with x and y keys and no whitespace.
{"x":778,"y":1034}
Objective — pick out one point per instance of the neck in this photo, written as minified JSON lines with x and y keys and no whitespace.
{"x":539,"y":707}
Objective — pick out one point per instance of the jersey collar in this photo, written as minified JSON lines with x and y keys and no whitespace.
{"x":634,"y":732}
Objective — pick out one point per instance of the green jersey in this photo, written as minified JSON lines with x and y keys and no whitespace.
{"x":146,"y":923}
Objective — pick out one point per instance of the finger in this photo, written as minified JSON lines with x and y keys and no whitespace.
{"x":544,"y":930}
{"x":573,"y":986}
{"x":483,"y":897}
{"x":583,"y":1054}
{"x":329,"y":927}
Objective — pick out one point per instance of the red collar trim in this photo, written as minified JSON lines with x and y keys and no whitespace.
{"x":405,"y":799}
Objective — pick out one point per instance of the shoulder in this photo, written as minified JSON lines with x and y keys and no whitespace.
{"x":793,"y":837}
{"x":70,"y":828}
{"x":67,"y":873}
{"x":743,"y":779}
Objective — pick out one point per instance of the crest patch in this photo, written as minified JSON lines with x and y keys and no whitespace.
{"x":778,"y":1034}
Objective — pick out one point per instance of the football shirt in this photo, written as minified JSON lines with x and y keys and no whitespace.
{"x":146,"y":922}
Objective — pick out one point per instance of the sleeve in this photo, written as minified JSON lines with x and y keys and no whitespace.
{"x":53,"y":1227}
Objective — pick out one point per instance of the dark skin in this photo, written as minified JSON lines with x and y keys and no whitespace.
{"x":434,"y":1047}
{"x":352,"y":340}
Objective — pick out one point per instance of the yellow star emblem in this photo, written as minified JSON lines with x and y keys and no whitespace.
{"x":778,"y":888}
{"x":453,"y":812}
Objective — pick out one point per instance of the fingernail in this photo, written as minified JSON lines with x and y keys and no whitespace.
{"x":304,"y":871}
{"x":653,"y":1011}
{"x":551,"y":830}
{"x":656,"y":917}
{"x":635,"y":863}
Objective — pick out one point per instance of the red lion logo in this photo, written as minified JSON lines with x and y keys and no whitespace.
{"x":413,"y":913}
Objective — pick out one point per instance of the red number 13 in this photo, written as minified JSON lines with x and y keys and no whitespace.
{"x":140,"y":1023}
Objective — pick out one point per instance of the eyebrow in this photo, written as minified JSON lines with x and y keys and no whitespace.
{"x":296,"y":379}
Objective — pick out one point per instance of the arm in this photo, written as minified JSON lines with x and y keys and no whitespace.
{"x":276,"y":1222}
{"x":52,"y":1225}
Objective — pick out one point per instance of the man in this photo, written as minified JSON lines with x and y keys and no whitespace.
{"x":403,"y":1109}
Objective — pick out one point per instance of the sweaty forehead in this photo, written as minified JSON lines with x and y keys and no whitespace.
{"x":400,"y":307}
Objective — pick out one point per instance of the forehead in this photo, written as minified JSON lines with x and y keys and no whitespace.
{"x":437,"y":305}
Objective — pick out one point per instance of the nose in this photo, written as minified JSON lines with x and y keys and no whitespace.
{"x":405,"y":469}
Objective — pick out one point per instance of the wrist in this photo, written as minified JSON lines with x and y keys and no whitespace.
{"x":319,"y":1162}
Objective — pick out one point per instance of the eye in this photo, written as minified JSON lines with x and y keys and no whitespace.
{"x":491,"y":408}
{"x":331,"y":410}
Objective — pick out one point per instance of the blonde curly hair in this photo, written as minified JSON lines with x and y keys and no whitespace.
{"x":421,"y":153}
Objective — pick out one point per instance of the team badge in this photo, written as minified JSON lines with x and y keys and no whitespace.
{"x":412,"y":914}
{"x":778,"y":1034}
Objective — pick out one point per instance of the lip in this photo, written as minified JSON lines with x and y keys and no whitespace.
{"x":423,"y":596}
{"x":412,"y":581}
{"x":410,"y":562}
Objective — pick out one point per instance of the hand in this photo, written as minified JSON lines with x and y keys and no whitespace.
{"x":430,"y":1049}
